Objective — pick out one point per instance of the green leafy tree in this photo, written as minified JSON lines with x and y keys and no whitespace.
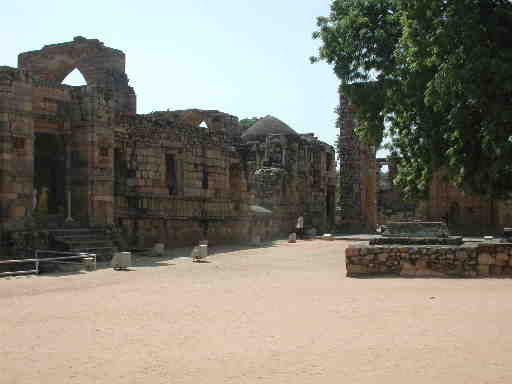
{"x":248,"y":122}
{"x":439,"y":71}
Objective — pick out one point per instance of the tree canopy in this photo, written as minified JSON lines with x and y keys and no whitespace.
{"x":248,"y":122}
{"x":439,"y":72}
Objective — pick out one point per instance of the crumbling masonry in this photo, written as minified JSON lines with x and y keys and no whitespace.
{"x":173,"y":177}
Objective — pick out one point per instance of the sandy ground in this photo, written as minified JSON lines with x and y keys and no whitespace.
{"x":281,"y":314}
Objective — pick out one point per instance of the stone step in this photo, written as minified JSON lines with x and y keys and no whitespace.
{"x":89,"y":240}
{"x":81,"y":237}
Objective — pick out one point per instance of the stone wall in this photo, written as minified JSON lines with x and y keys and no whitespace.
{"x":169,"y":176}
{"x":467,"y":260}
{"x":463,"y":212}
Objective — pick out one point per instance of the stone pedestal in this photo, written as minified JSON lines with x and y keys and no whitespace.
{"x":203,"y":251}
{"x":122,"y":260}
{"x":89,"y":263}
{"x":328,"y":237}
{"x":199,"y":252}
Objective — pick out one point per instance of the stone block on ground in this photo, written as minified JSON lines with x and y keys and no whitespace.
{"x":122,"y":260}
{"x":89,"y":263}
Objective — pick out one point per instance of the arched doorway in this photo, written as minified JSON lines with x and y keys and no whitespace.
{"x":50,"y":172}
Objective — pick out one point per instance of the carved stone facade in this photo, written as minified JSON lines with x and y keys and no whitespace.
{"x":173,"y":176}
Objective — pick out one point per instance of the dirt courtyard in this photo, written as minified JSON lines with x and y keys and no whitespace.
{"x":280,"y":314}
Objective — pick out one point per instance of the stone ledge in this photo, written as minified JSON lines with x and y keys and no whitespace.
{"x":453,"y":240}
{"x":467,"y":260}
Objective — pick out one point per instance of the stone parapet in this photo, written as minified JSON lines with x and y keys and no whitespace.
{"x":467,"y":260}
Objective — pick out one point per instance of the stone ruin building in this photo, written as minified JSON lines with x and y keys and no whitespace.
{"x":369,"y":198}
{"x":81,"y":159}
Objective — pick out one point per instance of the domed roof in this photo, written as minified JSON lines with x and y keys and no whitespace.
{"x":268,"y":125}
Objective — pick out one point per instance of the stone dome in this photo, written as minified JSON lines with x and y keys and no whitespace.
{"x":268,"y":125}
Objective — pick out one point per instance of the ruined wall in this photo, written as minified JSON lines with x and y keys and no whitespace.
{"x":469,"y":260}
{"x":357,"y":175}
{"x":174,"y":177}
{"x":16,"y":134}
{"x":177,"y":179}
{"x":293,"y":175}
{"x":464,"y":213}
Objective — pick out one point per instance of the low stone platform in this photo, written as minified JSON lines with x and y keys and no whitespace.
{"x":415,"y":229}
{"x":406,"y":240}
{"x":467,"y":260}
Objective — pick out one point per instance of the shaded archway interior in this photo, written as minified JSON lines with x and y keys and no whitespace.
{"x":50,"y":170}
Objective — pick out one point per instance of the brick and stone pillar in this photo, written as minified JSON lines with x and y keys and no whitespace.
{"x":357,"y":175}
{"x":16,"y":138}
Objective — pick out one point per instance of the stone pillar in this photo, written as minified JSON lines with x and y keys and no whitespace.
{"x":357,"y":175}
{"x":102,"y":178}
{"x":16,"y":141}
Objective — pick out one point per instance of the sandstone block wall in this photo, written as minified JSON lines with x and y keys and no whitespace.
{"x":468,"y":260}
{"x":168,"y":176}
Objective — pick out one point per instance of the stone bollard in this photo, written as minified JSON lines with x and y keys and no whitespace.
{"x":194,"y":254}
{"x":328,"y":237}
{"x":292,"y":238}
{"x":89,"y":262}
{"x":122,"y":260}
{"x":203,"y":251}
{"x":199,"y":252}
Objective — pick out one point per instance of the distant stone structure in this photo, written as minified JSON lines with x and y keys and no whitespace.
{"x":172,"y":177}
{"x":370,"y":198}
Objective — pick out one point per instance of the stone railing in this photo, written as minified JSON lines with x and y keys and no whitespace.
{"x":468,"y":260}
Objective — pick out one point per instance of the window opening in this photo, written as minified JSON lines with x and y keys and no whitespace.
{"x":205,"y":177}
{"x":171,"y":177}
{"x":75,"y":79}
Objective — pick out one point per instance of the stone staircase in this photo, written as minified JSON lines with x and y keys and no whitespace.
{"x":88,"y":240}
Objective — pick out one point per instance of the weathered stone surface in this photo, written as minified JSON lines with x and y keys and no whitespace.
{"x":357,"y":175}
{"x":432,"y":229}
{"x":406,"y":240}
{"x":485,"y":259}
{"x":171,"y":177}
{"x":467,"y":260}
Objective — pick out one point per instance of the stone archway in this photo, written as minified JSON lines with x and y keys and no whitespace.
{"x":96,"y":62}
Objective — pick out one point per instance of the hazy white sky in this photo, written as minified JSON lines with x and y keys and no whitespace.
{"x":246,"y":58}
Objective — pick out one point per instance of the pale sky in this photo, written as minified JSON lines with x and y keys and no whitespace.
{"x":246,"y":58}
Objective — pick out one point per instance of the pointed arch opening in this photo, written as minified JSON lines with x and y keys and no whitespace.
{"x":75,"y":78}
